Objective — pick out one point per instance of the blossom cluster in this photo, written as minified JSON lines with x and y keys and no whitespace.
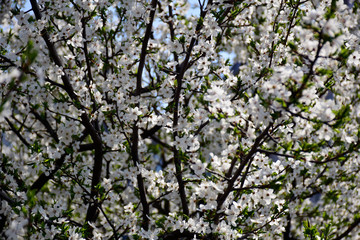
{"x":129,"y":120}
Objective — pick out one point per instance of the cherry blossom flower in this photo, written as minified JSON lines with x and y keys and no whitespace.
{"x":179,"y":119}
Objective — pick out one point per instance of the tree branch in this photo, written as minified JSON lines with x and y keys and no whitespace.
{"x":144,"y":48}
{"x":46,"y":124}
{"x":179,"y":78}
{"x":95,"y":135}
{"x":45,"y":177}
{"x":350,"y":228}
{"x":135,"y":133}
{"x":17,"y":132}
{"x":222,"y":197}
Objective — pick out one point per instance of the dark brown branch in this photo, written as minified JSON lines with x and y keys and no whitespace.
{"x":201,"y":127}
{"x":6,"y":197}
{"x":150,"y":132}
{"x":146,"y":89}
{"x":291,"y":22}
{"x":246,"y":235}
{"x":18,"y":134}
{"x":276,"y":153}
{"x":5,"y":59}
{"x":46,"y":124}
{"x":88,"y":65}
{"x":53,"y":52}
{"x":156,"y":139}
{"x":298,"y":93}
{"x":231,"y":168}
{"x":86,"y":147}
{"x":177,"y":234}
{"x":110,"y":223}
{"x":242,"y":181}
{"x":179,"y":78}
{"x":172,"y":31}
{"x":92,"y":210}
{"x":287,"y":233}
{"x":44,"y":178}
{"x":140,"y":181}
{"x":350,"y":228}
{"x":339,"y":155}
{"x":264,"y":186}
{"x":54,"y":83}
{"x":144,"y":48}
{"x":222,"y":197}
{"x":135,"y":133}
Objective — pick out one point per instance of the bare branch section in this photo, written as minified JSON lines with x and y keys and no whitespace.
{"x":135,"y":133}
{"x":352,"y":226}
{"x":95,"y":135}
{"x":179,"y":78}
{"x":222,"y":197}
